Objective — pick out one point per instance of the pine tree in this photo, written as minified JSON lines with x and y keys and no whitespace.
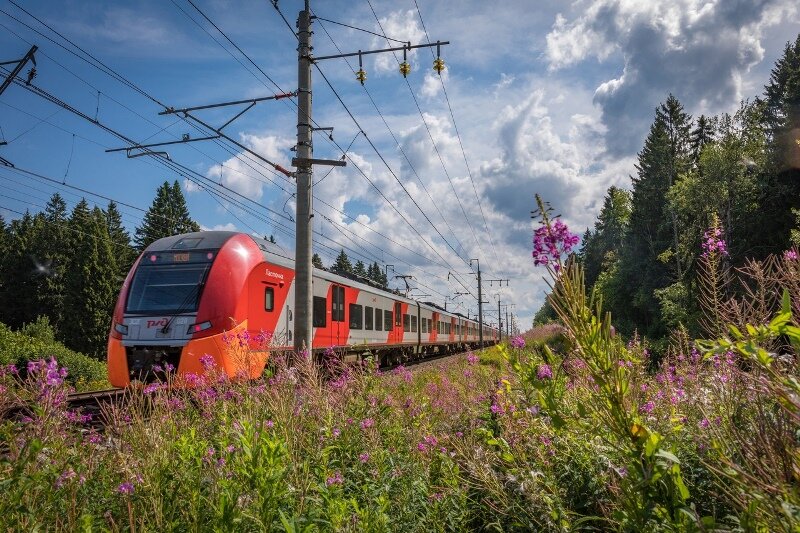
{"x":316,"y":261}
{"x":701,"y":135}
{"x":360,"y":270}
{"x":342,"y":264}
{"x":168,"y":215}
{"x":91,"y":282}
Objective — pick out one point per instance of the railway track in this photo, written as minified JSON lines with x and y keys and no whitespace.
{"x":91,"y":406}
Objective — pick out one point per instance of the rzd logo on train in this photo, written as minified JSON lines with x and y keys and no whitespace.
{"x":154,"y":323}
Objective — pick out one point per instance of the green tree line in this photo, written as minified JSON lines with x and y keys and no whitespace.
{"x":642,"y":254}
{"x":69,"y":266}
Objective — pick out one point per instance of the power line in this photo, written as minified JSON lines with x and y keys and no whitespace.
{"x":433,"y":142}
{"x":460,"y":142}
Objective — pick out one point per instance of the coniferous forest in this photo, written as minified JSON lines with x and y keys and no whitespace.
{"x":740,"y":172}
{"x":68,"y":267}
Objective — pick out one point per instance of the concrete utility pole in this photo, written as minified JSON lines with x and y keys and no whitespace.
{"x":303,"y":295}
{"x":303,"y":327}
{"x":480,"y":302}
{"x":499,"y":320}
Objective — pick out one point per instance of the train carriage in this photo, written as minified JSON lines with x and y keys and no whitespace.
{"x":188,"y":295}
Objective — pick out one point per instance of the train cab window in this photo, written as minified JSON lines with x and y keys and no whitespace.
{"x":368,"y":317}
{"x":406,"y":322}
{"x":387,"y":321}
{"x":320,"y":308}
{"x":269,"y":299}
{"x":423,"y":325}
{"x":413,"y":324}
{"x":378,"y":319}
{"x":397,"y":315}
{"x":356,"y":313}
{"x":337,"y":304}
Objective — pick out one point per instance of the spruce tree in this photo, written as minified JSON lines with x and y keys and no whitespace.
{"x":49,"y":252}
{"x":120,"y":241}
{"x":316,"y":261}
{"x":91,"y":282}
{"x":17,"y":302}
{"x":342,"y":264}
{"x":360,"y":270}
{"x":168,"y":215}
{"x":780,"y":183}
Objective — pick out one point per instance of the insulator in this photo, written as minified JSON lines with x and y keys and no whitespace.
{"x":405,"y":68}
{"x":438,"y":65}
{"x":361,"y":76}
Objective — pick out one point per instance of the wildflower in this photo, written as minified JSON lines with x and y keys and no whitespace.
{"x":153,"y":387}
{"x":221,"y":462}
{"x":364,"y":457}
{"x":230,"y":448}
{"x":790,"y":255}
{"x":269,"y":423}
{"x":518,"y":342}
{"x":551,"y":241}
{"x":125,"y":488}
{"x":65,"y":476}
{"x":367,"y":423}
{"x":472,"y":359}
{"x":496,"y":409}
{"x":713,"y":243}
{"x":336,"y":479}
{"x":544,"y":372}
{"x":207,"y":361}
{"x":704,"y":423}
{"x":336,"y":432}
{"x":647,"y":408}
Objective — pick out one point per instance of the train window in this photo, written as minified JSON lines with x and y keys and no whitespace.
{"x":406,"y":322}
{"x":337,"y":304}
{"x":378,"y":319}
{"x":423,"y":325}
{"x":397,"y":314}
{"x":320,"y":308}
{"x":269,"y":299}
{"x":413,"y":324}
{"x":368,"y":317}
{"x":356,"y":312}
{"x":387,"y":321}
{"x":430,"y":325}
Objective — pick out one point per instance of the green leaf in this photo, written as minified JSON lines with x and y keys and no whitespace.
{"x":786,"y":302}
{"x":668,"y":456}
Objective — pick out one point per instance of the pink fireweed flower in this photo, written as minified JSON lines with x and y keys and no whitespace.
{"x":518,"y":342}
{"x":544,"y":372}
{"x":207,"y":361}
{"x":336,"y":432}
{"x":647,"y":408}
{"x":713,"y":243}
{"x":551,"y":241}
{"x":790,"y":255}
{"x":367,"y":423}
{"x":335,"y":479}
{"x":125,"y":488}
{"x":472,"y":359}
{"x":364,"y":457}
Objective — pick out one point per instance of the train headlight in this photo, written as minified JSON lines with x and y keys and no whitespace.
{"x":121,"y":328}
{"x":196,"y":328}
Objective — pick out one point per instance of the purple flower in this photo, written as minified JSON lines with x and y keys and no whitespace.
{"x":472,"y":359}
{"x":544,"y":372}
{"x":364,"y":457}
{"x":207,"y":361}
{"x":551,"y":241}
{"x":335,"y":479}
{"x":518,"y":342}
{"x":790,"y":255}
{"x":336,"y":432}
{"x":713,"y":243}
{"x":367,"y":423}
{"x":647,"y":408}
{"x":125,"y":488}
{"x":704,"y":423}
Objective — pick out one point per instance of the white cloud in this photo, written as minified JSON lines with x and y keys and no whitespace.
{"x":403,"y":26}
{"x":696,"y":49}
{"x":230,"y":226}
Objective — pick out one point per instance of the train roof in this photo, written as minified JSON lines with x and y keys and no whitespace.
{"x":205,"y":240}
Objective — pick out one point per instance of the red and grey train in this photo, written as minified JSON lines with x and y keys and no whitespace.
{"x":187,"y":295}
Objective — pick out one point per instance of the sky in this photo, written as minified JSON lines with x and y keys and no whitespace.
{"x":553,"y":98}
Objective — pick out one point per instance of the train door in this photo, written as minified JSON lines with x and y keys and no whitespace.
{"x":337,"y":315}
{"x":397,"y":331}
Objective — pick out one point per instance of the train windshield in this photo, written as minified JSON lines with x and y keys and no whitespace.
{"x":166,"y":288}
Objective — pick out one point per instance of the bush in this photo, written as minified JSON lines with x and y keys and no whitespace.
{"x":36,"y":341}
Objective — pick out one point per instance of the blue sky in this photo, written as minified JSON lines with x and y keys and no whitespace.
{"x":552,"y":97}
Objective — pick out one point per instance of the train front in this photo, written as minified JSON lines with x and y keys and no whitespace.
{"x":180,"y":302}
